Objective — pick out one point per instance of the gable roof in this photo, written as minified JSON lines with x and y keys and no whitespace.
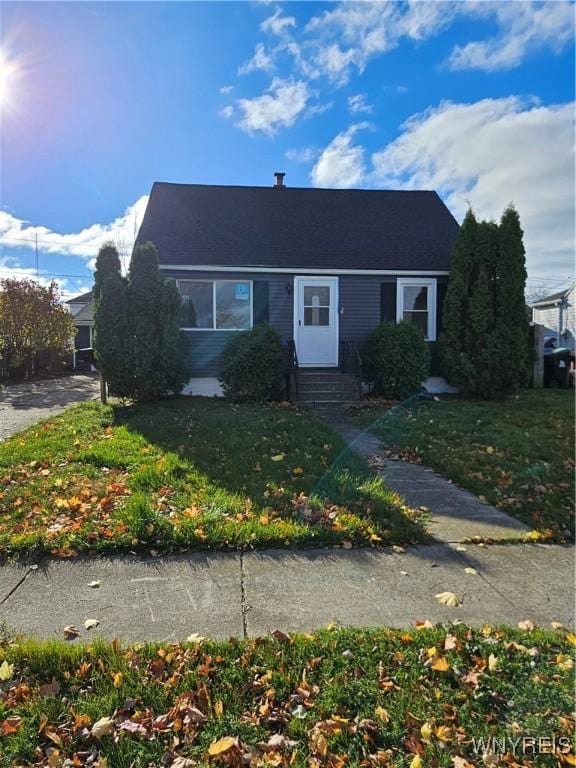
{"x":201,"y":225}
{"x":554,"y":298}
{"x":84,"y":298}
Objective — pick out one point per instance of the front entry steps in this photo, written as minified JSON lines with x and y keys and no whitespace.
{"x":327,"y":390}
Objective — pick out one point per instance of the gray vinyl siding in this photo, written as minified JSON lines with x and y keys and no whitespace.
{"x":359,"y":305}
{"x":205,"y":347}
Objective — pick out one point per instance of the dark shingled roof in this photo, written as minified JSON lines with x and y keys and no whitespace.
{"x":194,"y":224}
{"x":552,"y":298}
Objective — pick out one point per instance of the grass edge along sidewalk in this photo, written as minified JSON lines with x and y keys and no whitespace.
{"x":375,"y":697}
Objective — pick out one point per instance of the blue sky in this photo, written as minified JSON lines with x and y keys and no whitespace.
{"x":475,"y":100}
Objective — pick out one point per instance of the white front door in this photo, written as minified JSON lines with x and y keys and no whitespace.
{"x":316,"y":320}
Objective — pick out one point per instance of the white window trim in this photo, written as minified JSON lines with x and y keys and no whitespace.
{"x":416,"y":282}
{"x":221,"y":330}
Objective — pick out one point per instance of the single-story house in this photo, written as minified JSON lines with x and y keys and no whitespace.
{"x":322,"y":266}
{"x":557,"y":313}
{"x":82,"y":309}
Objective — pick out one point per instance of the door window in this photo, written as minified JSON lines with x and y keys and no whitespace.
{"x":316,"y":305}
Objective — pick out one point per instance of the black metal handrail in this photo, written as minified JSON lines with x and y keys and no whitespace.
{"x":292,"y":371}
{"x":351,"y":361}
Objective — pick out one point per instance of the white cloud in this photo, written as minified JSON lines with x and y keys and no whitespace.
{"x":260,"y":60}
{"x":278,"y":108}
{"x":488,"y":154}
{"x":277,"y":24}
{"x":226,"y":89}
{"x":523,"y":27}
{"x":227,"y":112}
{"x":346,"y":37}
{"x":18,"y":233}
{"x":301,"y":154}
{"x":358,"y":104}
{"x":341,"y":163}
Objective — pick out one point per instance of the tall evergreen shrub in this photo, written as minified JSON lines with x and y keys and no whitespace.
{"x":112,"y":346}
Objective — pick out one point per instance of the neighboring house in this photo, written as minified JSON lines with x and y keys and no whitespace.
{"x":324,"y":267}
{"x":82,"y":309}
{"x":557,"y":313}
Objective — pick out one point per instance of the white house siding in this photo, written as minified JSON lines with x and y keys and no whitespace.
{"x":559,"y":320}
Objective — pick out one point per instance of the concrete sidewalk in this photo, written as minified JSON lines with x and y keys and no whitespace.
{"x":455,"y":514}
{"x":249,"y":594}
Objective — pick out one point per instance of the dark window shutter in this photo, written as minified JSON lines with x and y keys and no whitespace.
{"x":260,"y":298}
{"x":388,"y":302}
{"x":440,"y":296}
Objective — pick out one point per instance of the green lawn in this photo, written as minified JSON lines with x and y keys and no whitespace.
{"x":190,"y":473}
{"x":517,"y":453}
{"x":339,"y":698}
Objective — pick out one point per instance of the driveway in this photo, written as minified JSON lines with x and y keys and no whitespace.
{"x":24,"y":404}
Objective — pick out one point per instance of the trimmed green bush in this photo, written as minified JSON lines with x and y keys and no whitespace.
{"x":253,"y":365}
{"x":397,"y":359}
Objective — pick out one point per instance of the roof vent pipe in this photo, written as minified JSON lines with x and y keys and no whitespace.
{"x":279,"y":180}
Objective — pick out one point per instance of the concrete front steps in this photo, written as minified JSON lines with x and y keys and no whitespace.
{"x":327,"y":390}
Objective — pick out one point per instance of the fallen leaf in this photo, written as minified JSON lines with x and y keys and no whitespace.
{"x":526,"y":624}
{"x":382,"y":714}
{"x":91,"y":623}
{"x":50,"y":689}
{"x":181,"y":762}
{"x":218,"y":708}
{"x":441,"y":664}
{"x":489,"y":449}
{"x":103,"y":727}
{"x":416,"y":762}
{"x":94,"y":584}
{"x":70,"y":632}
{"x":556,"y":625}
{"x":222,"y":746}
{"x":6,"y":671}
{"x":449,"y":599}
{"x":118,"y":679}
{"x":492,"y":662}
{"x":426,"y":732}
{"x":443,"y":733}
{"x":450,"y":643}
{"x":278,"y":457}
{"x":564,"y":662}
{"x":571,"y":637}
{"x":10,"y":725}
{"x":472,"y":571}
{"x":194,"y":638}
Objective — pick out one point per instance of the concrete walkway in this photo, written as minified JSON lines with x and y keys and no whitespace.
{"x":456,"y":515}
{"x":24,"y":404}
{"x":249,"y":594}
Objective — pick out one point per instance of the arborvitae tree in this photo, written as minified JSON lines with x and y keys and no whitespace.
{"x":111,"y":327}
{"x":483,"y":344}
{"x":512,"y":320}
{"x":453,"y":340}
{"x":173,"y":347}
{"x":144,"y":302}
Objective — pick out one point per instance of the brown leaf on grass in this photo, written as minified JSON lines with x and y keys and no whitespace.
{"x":451,"y":643}
{"x":460,"y":762}
{"x":10,"y":725}
{"x":50,"y":689}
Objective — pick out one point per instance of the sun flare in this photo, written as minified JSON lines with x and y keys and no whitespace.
{"x":8,"y":75}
